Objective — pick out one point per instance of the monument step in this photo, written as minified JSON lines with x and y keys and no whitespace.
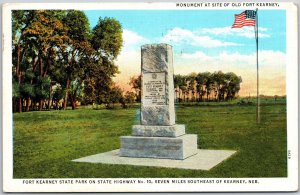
{"x":159,"y":147}
{"x":158,"y":131}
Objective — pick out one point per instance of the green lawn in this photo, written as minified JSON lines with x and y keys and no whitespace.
{"x":46,"y":142}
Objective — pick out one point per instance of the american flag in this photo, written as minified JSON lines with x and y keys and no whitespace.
{"x":246,"y":18}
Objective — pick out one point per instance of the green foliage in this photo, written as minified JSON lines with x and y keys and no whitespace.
{"x":45,"y":30}
{"x":20,"y":20}
{"x":57,"y":47}
{"x":76,"y":92}
{"x":203,"y":84}
{"x":78,"y":25}
{"x":58,"y":94}
{"x":136,"y":83}
{"x":89,"y":91}
{"x":42,"y":87}
{"x":114,"y":95}
{"x":15,"y":89}
{"x":129,"y":97}
{"x":99,"y":80}
{"x":180,"y":84}
{"x":223,"y":86}
{"x":232,"y":84}
{"x":76,"y":88}
{"x":107,"y":37}
{"x":27,"y":90}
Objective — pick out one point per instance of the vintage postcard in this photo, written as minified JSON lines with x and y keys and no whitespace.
{"x":150,"y":97}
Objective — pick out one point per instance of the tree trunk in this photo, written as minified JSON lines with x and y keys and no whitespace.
{"x":28,"y":104}
{"x":73,"y":105}
{"x":176,"y":95}
{"x":41,"y":105}
{"x":47,"y":65}
{"x":73,"y":101}
{"x":19,"y":104}
{"x":67,"y":93}
{"x":49,"y":100}
{"x":20,"y":101}
{"x":32,"y":105}
{"x":52,"y":102}
{"x":41,"y":65}
{"x":193,"y":98}
{"x":18,"y":72}
{"x":15,"y":105}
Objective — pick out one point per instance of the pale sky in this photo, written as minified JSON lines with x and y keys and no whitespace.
{"x":203,"y":40}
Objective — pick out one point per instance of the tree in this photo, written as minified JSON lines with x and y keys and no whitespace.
{"x":232,"y":84}
{"x":191,"y":79}
{"x":107,"y":38}
{"x":36,"y":35}
{"x":89,"y":91}
{"x":76,"y":92}
{"x":209,"y":85}
{"x":201,"y":80}
{"x":183,"y":87}
{"x":222,"y":86}
{"x":176,"y":87}
{"x":57,"y":48}
{"x":42,"y":89}
{"x":114,"y":95}
{"x":99,"y":80}
{"x":57,"y":95}
{"x":106,"y":41}
{"x":180,"y":82}
{"x":218,"y":83}
{"x":136,"y":84}
{"x":129,"y":98}
{"x":20,"y":22}
{"x":77,"y":51}
{"x":16,"y":95}
{"x":47,"y":34}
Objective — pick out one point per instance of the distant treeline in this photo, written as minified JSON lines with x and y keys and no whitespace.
{"x":198,"y":87}
{"x":206,"y":86}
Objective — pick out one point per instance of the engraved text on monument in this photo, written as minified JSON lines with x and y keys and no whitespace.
{"x":154,"y":91}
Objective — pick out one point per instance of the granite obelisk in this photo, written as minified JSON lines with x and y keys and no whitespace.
{"x":158,"y":136}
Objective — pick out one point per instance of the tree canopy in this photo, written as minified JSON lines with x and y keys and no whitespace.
{"x":217,"y":86}
{"x":56,"y":54}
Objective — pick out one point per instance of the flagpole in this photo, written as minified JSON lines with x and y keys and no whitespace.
{"x":257,"y":71}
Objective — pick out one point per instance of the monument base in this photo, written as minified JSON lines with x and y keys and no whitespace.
{"x":159,"y":147}
{"x":203,"y":160}
{"x":158,"y":131}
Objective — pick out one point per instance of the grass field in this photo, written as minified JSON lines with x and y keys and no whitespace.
{"x":46,"y":142}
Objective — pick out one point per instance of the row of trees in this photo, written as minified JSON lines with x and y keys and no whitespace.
{"x":203,"y":86}
{"x":206,"y":86}
{"x":56,"y":56}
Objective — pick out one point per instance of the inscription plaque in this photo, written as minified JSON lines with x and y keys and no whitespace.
{"x":154,"y":89}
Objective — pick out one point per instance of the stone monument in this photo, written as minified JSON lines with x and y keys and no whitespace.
{"x":158,"y":136}
{"x":158,"y":141}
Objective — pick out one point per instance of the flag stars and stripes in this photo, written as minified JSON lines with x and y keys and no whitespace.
{"x":246,"y":18}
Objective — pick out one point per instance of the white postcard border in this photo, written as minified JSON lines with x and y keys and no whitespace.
{"x":264,"y":184}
